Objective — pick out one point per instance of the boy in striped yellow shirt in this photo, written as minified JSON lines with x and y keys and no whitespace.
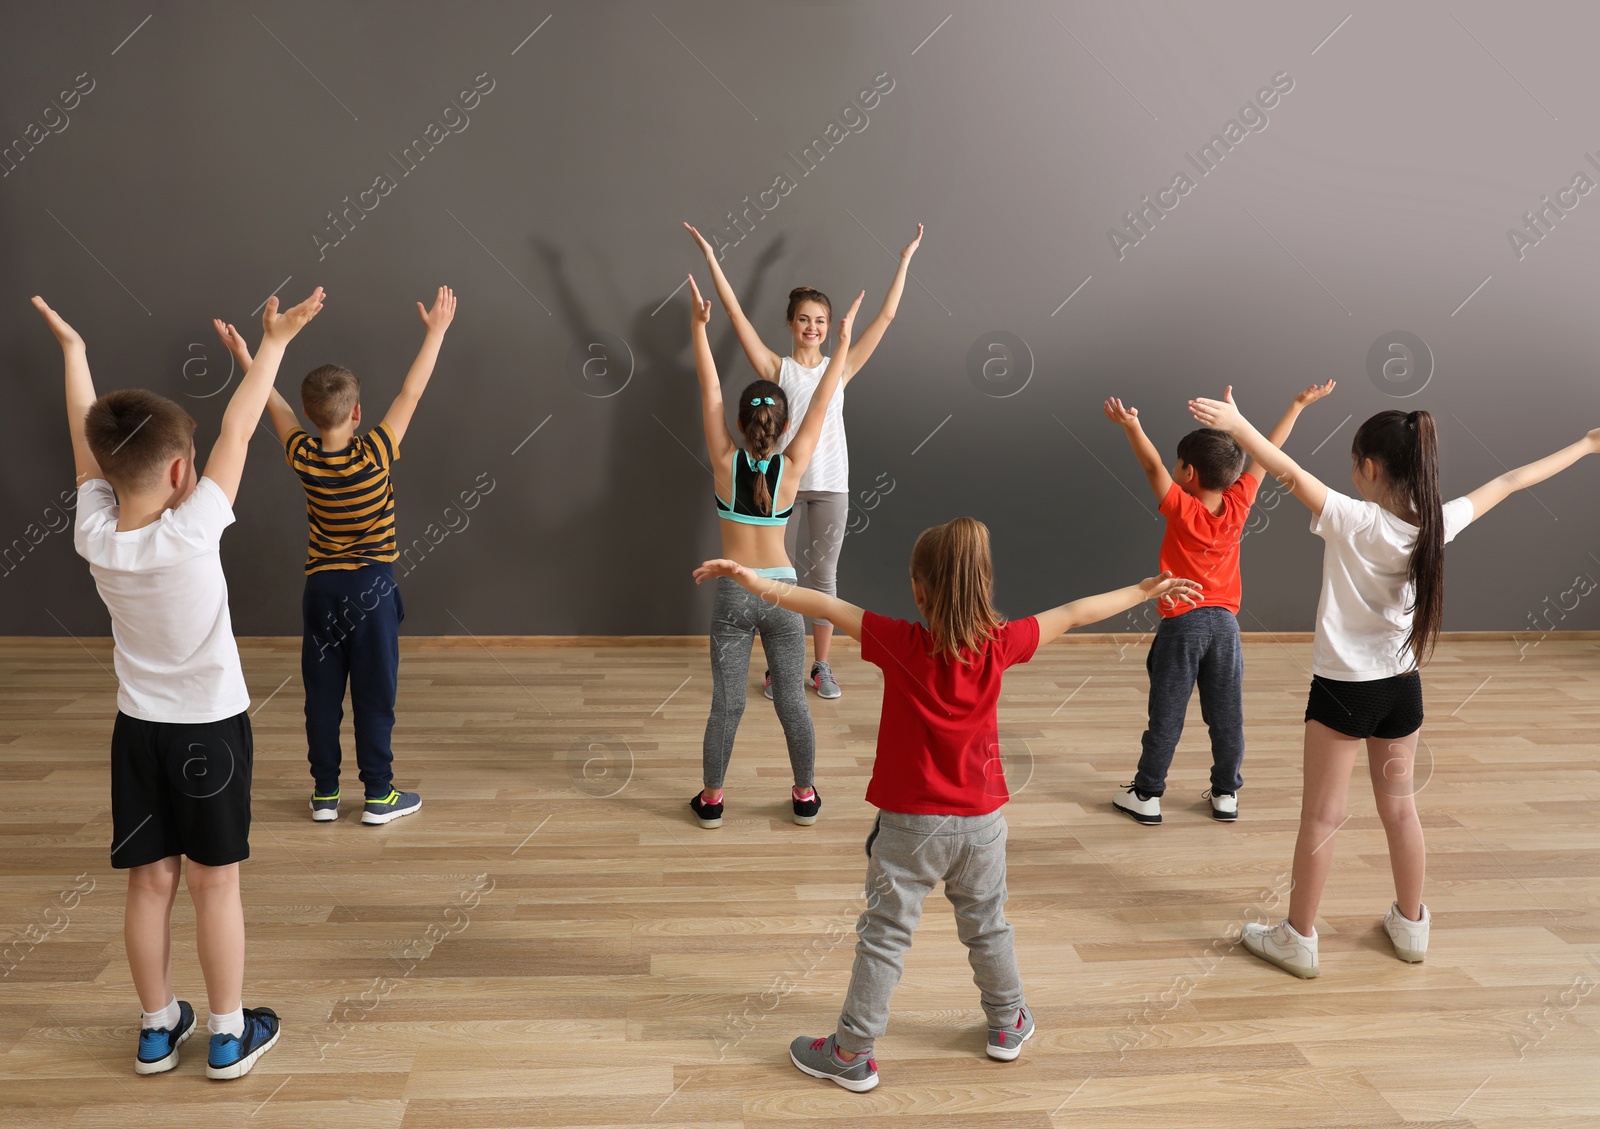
{"x":352,"y":607}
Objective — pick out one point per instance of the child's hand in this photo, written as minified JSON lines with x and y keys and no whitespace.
{"x":1221,"y":414}
{"x":233,"y":340}
{"x":282,"y":327}
{"x":733,"y":570}
{"x":700,"y":239}
{"x":911,"y":248}
{"x":699,"y":308}
{"x":444,"y":310}
{"x":1314,"y":393}
{"x":846,"y":322}
{"x":65,"y":334}
{"x":1116,"y":413}
{"x":1170,"y":590}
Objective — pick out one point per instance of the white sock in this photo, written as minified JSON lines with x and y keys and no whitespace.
{"x":1311,"y":936}
{"x":165,"y":1019}
{"x":230,"y":1023}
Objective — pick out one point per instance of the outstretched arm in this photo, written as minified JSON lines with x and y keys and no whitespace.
{"x":786,"y":594}
{"x":80,"y":389}
{"x":225,"y":467}
{"x":1167,"y":588}
{"x":1497,"y":490}
{"x":1224,"y":416}
{"x":1279,"y":435}
{"x":713,"y":416}
{"x":804,"y":444}
{"x":867,"y":342}
{"x":766,"y":363}
{"x":1143,"y":450}
{"x":284,"y":419}
{"x":437,"y":320}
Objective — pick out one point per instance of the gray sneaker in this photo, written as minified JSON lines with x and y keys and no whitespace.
{"x":1005,"y":1043}
{"x":382,"y":809}
{"x":822,"y":678}
{"x":324,"y":808}
{"x":816,"y":1058}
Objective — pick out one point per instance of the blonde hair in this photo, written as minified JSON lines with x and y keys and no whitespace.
{"x":954,"y":567}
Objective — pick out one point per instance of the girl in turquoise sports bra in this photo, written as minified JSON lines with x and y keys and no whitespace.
{"x":755,"y":490}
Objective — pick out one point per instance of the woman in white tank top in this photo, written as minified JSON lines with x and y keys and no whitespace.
{"x":816,"y":530}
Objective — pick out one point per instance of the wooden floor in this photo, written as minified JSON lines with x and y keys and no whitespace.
{"x":552,"y":941}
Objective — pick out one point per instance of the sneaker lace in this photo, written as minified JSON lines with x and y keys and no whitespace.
{"x":816,"y":1044}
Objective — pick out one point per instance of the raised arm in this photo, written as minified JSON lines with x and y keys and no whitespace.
{"x":804,"y":444}
{"x":869,"y":337}
{"x":818,"y":605}
{"x":80,"y":389}
{"x":436,"y":320}
{"x":283,"y":416}
{"x":226,"y":465}
{"x":1279,"y":435}
{"x":1224,"y":416}
{"x":1167,"y":588}
{"x":766,"y":363}
{"x":713,"y":416}
{"x":1497,"y":490}
{"x":1143,"y":450}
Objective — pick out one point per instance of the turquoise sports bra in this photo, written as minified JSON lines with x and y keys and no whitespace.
{"x":743,"y":507}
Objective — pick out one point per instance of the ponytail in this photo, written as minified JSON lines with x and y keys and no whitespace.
{"x":763,"y":415}
{"x":953,"y":564}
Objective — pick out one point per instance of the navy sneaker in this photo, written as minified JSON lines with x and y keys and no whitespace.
{"x":324,"y":808}
{"x":158,"y":1047}
{"x":231,"y":1056}
{"x":381,"y":809}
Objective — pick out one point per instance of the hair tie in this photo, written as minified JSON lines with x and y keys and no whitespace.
{"x":759,"y":400}
{"x":754,"y":465}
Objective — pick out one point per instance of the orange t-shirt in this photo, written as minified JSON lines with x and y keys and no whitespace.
{"x":1204,"y":546}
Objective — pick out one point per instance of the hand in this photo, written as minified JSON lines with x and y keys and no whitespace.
{"x":282,"y":327}
{"x":233,"y":340}
{"x":911,"y":248}
{"x":1170,"y":589}
{"x":1221,"y":414}
{"x":1314,"y":393}
{"x":65,"y":334}
{"x":444,"y":310}
{"x":849,"y":319}
{"x":699,"y":308}
{"x":713,"y":569}
{"x":1116,"y":413}
{"x":705,"y":247}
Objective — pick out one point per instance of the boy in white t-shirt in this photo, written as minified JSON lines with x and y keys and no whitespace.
{"x":181,"y":752}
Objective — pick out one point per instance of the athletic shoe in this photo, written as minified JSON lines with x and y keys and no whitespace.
{"x":709,"y":815}
{"x":232,"y":1056}
{"x":381,"y":809}
{"x":1410,"y":938}
{"x":1224,"y":805}
{"x":822,"y":678}
{"x":158,"y":1047}
{"x":805,"y":811}
{"x":1281,"y":945}
{"x":325,"y":808}
{"x":1137,"y":806}
{"x":766,"y":686}
{"x":1005,"y":1043}
{"x":816,"y":1058}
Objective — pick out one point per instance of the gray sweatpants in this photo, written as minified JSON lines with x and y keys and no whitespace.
{"x":910,"y":854}
{"x":819,"y":519}
{"x":736,"y":617}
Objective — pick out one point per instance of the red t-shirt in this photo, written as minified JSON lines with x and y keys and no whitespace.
{"x":938,"y":735}
{"x":1204,"y":546}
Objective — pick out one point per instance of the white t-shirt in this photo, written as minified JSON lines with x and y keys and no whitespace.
{"x":1362,"y":617}
{"x":830,"y":465}
{"x":163,"y":585}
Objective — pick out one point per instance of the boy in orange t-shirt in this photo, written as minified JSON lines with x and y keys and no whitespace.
{"x":1206,"y":501}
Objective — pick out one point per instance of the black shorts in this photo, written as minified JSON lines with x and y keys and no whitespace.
{"x":180,"y":790}
{"x":1388,"y":708}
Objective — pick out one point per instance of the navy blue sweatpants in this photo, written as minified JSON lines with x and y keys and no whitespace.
{"x":352,"y":634}
{"x":1199,"y":647}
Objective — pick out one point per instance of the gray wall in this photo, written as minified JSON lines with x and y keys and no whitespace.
{"x":1376,"y":198}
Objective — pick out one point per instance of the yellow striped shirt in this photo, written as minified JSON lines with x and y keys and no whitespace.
{"x":349,"y":499}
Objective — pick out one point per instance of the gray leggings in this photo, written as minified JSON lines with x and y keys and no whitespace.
{"x":820,"y":517}
{"x":736,"y":617}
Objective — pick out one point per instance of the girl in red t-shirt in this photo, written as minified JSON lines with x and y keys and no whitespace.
{"x":937,"y":781}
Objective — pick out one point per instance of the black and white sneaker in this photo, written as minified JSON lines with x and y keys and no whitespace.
{"x":1138,"y":807}
{"x":709,"y":815}
{"x":805,"y":811}
{"x":1224,"y":805}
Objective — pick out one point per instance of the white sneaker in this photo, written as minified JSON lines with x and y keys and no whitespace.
{"x":1224,"y":805}
{"x":1281,"y":945}
{"x":1410,"y":938}
{"x":1129,"y":803}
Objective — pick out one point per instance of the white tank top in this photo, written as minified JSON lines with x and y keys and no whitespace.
{"x":830,"y":465}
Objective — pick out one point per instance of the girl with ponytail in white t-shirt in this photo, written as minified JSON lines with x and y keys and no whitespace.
{"x":1378,"y":617}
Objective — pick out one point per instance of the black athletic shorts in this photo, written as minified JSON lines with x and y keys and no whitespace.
{"x":180,"y":790}
{"x":1388,"y":708}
